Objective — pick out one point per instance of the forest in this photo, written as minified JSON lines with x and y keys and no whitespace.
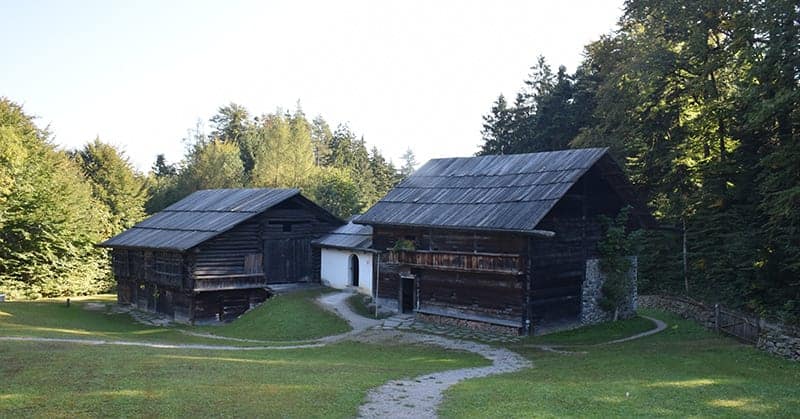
{"x":700,"y":102}
{"x":55,"y":205}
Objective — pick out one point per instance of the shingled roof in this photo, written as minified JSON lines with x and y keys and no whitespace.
{"x":504,"y":192}
{"x":349,"y":236}
{"x":199,"y":217}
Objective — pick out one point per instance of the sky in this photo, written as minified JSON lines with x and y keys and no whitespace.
{"x":404,"y":74}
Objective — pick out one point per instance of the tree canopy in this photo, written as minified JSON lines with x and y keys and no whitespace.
{"x":700,"y":101}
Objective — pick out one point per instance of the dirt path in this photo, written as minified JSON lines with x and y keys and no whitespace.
{"x":660,"y":326}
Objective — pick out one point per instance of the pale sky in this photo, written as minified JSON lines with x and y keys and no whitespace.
{"x":405,"y":74}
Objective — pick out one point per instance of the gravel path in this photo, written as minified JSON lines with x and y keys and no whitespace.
{"x":420,"y":397}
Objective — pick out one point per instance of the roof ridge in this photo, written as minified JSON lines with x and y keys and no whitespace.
{"x":568,"y":150}
{"x":507,"y":174}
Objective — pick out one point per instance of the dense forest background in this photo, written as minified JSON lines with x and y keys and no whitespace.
{"x":700,"y":101}
{"x":56,"y":205}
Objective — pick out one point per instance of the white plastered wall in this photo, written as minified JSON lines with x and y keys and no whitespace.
{"x":335,"y":271}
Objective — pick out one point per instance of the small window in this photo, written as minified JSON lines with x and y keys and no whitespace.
{"x":287,"y":228}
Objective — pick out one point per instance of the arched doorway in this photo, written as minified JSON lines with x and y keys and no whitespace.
{"x":354,"y":270}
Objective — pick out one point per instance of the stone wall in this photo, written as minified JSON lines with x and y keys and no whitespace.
{"x":774,"y":338}
{"x":780,"y":340}
{"x":684,"y":307}
{"x":591,"y":292}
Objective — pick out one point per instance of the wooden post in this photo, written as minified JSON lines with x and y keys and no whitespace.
{"x":685,"y":261}
{"x":377,"y":283}
{"x":716,"y":317}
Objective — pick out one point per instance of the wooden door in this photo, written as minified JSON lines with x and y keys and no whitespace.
{"x":287,"y":260}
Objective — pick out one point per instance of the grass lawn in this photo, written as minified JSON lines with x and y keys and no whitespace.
{"x":52,"y":318}
{"x":287,"y":317}
{"x":684,"y":371}
{"x":590,"y":335}
{"x":293,"y":316}
{"x":67,"y":380}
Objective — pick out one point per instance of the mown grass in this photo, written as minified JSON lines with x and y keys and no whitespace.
{"x":289,"y":317}
{"x":52,"y":318}
{"x":591,"y":335}
{"x":684,"y":371}
{"x":68,"y":380}
{"x":293,"y":316}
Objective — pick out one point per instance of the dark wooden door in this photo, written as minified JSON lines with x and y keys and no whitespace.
{"x":407,"y":294}
{"x":287,"y":260}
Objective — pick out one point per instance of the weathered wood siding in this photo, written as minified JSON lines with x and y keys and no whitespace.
{"x":461,"y":283}
{"x":558,"y":264}
{"x":222,"y":277}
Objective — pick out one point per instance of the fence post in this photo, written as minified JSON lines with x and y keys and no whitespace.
{"x":716,"y":317}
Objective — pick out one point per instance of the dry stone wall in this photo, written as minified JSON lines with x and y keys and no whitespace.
{"x":592,"y":292}
{"x":775,"y":338}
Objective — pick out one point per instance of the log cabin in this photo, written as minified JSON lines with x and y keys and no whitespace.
{"x":214,"y":254}
{"x":506,"y":243}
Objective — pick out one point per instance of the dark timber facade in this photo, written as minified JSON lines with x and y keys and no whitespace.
{"x":214,"y":254}
{"x":497,"y":241}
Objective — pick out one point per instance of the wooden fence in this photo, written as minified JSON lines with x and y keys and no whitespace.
{"x":743,"y":327}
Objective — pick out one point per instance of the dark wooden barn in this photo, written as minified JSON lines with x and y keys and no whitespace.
{"x":497,"y":241}
{"x":215,"y":253}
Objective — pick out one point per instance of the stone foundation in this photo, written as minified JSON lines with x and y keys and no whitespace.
{"x":388,"y":305}
{"x":470,"y":324}
{"x":591,"y":292}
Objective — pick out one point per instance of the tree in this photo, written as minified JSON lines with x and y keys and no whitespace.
{"x":114,"y":182}
{"x":409,"y":163}
{"x":700,"y":102}
{"x":283,"y":151}
{"x":213,"y":165}
{"x":498,"y":129}
{"x":232,"y":124}
{"x":162,"y":169}
{"x":336,"y":191}
{"x":321,"y":137}
{"x":49,"y":220}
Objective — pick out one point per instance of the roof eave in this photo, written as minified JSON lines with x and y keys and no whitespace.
{"x":534,"y":232}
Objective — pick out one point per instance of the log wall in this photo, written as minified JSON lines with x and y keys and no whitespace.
{"x":222,"y":277}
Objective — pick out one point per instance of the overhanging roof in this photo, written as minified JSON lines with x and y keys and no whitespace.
{"x":349,"y":237}
{"x":504,"y":192}
{"x":198,"y":217}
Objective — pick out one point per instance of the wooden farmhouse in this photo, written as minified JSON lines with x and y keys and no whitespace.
{"x":215,"y":253}
{"x":501,"y":242}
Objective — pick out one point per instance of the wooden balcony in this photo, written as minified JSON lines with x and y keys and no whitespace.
{"x":498,"y":263}
{"x":230,"y":282}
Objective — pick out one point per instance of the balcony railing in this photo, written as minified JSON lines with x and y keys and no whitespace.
{"x":501,"y":263}
{"x":229,"y":282}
